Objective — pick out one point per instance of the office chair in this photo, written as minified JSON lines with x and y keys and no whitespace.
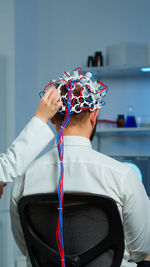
{"x":143,"y":264}
{"x":93,"y":233}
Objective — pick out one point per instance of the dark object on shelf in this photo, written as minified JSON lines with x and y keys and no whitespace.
{"x":120,"y":120}
{"x":98,"y":59}
{"x":90,"y":62}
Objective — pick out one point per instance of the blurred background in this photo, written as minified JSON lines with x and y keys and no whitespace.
{"x":39,"y":39}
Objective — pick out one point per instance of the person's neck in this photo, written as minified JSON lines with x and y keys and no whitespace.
{"x":76,"y":131}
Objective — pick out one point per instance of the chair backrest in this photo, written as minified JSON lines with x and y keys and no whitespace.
{"x":93,"y":233}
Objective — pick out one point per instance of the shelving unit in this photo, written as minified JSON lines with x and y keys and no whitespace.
{"x":123,"y":141}
{"x":117,"y":141}
{"x":123,"y":131}
{"x":118,"y":71}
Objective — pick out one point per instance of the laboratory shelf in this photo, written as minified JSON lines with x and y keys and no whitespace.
{"x":118,"y":71}
{"x":123,"y":131}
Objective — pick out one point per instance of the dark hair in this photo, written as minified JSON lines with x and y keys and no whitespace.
{"x":75,"y":118}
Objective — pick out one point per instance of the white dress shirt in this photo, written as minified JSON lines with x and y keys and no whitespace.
{"x":86,"y":170}
{"x":32,"y":140}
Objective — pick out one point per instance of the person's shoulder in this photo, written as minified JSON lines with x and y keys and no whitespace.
{"x":48,"y":158}
{"x":109,"y":162}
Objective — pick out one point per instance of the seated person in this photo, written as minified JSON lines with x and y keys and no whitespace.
{"x":86,"y":170}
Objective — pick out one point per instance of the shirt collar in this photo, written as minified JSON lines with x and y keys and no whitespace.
{"x":76,"y":141}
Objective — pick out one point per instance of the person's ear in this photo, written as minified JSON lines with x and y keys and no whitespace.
{"x":93,"y":117}
{"x":52,"y":120}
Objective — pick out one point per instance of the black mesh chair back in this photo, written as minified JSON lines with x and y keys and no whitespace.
{"x":93,"y":233}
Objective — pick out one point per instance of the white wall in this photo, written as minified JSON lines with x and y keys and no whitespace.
{"x":59,"y":35}
{"x":26,"y":61}
{"x":7,"y":119}
{"x":2,"y":104}
{"x":7,"y":51}
{"x":53,"y":36}
{"x":69,"y":31}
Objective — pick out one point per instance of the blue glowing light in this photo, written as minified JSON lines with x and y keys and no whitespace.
{"x":145,"y":69}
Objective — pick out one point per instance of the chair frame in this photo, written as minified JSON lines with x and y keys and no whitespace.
{"x":114,"y":239}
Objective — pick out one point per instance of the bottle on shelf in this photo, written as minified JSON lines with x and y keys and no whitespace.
{"x":90,"y":62}
{"x":130,"y":120}
{"x":98,"y":59}
{"x":120,"y":120}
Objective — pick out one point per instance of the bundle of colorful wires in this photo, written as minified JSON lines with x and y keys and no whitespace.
{"x":60,"y":146}
{"x":90,"y":98}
